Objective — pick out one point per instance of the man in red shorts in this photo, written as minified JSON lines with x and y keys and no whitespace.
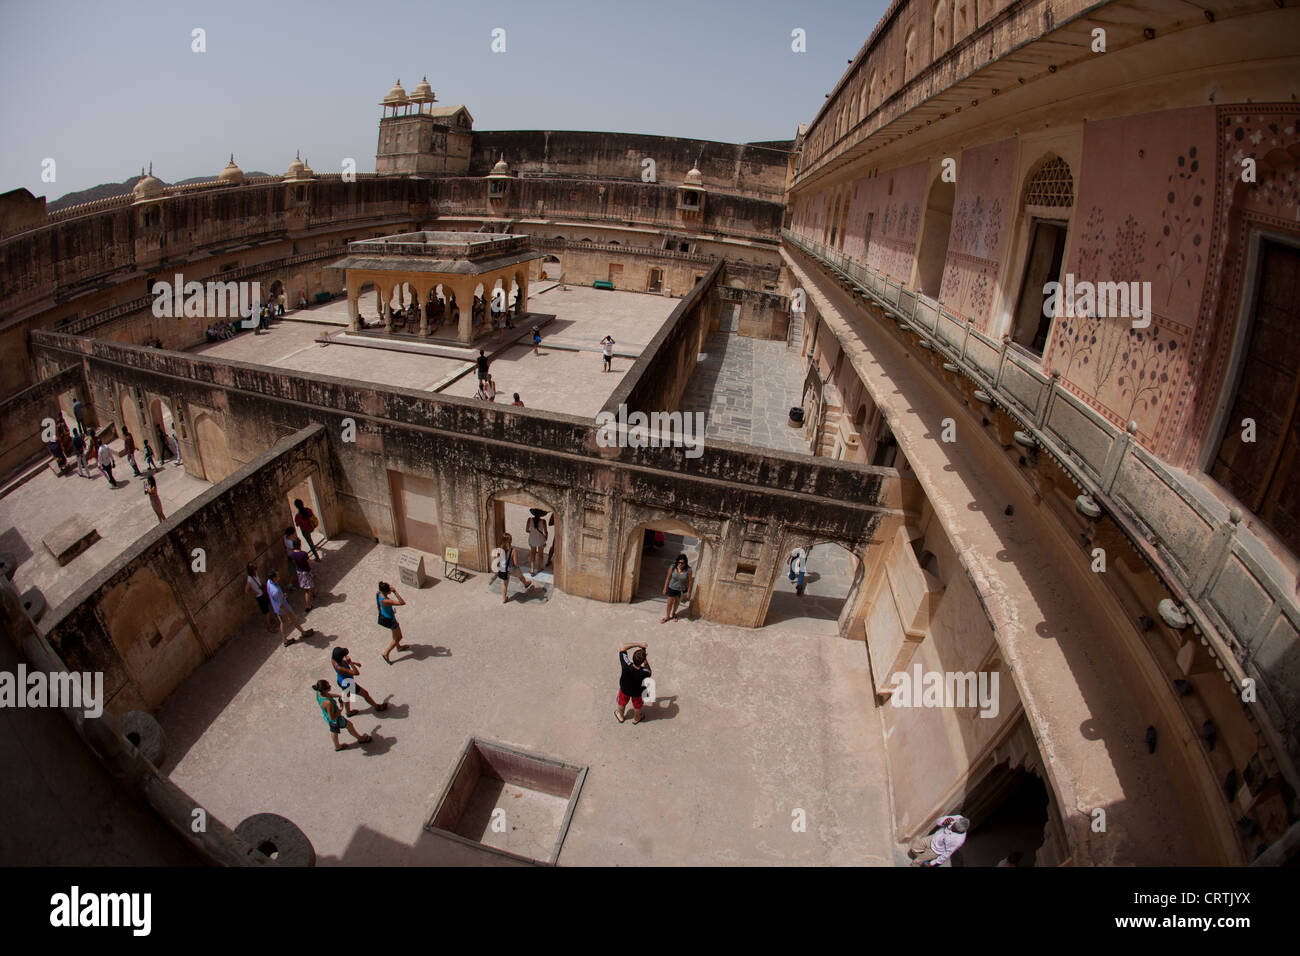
{"x":635,"y":671}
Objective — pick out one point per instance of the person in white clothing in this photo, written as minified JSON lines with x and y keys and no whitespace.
{"x":938,"y":848}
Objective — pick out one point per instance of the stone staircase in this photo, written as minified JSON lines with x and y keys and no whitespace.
{"x":832,"y":414}
{"x":794,"y":337}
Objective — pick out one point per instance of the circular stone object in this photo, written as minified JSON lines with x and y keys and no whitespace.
{"x":277,"y":838}
{"x":1086,"y":506}
{"x":1172,"y":614}
{"x":33,"y":603}
{"x":1025,"y":439}
{"x":146,"y":735}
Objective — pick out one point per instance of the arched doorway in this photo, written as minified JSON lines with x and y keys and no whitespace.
{"x":649,"y":552}
{"x":655,"y":283}
{"x":550,"y":267}
{"x":509,"y":511}
{"x":831,"y":577}
{"x":1008,"y":813}
{"x":214,"y":452}
{"x":162,"y":427}
{"x":132,"y":416}
{"x":933,"y":252}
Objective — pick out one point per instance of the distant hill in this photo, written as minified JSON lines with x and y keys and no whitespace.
{"x":108,"y":190}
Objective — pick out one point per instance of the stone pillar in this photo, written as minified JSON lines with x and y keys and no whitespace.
{"x":354,"y":311}
{"x":465,"y":307}
{"x":421,"y":295}
{"x":523,"y":292}
{"x":387,"y":314}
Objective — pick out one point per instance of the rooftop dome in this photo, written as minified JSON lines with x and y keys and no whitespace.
{"x":297,"y":169}
{"x":502,"y":168}
{"x":694,"y":178}
{"x":232,"y":173}
{"x":396,"y":96}
{"x":308,"y":172}
{"x":148,"y":187}
{"x":423,"y":92}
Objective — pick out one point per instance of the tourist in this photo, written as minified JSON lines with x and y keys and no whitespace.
{"x":128,"y":449}
{"x":280,"y":302}
{"x":162,"y":443}
{"x":290,"y":541}
{"x":78,"y":412}
{"x":64,"y":436}
{"x":254,"y":587}
{"x":631,"y":680}
{"x":676,"y":584}
{"x":306,"y":582}
{"x":105,"y":459}
{"x":176,"y":446}
{"x":491,"y":389}
{"x":59,"y":457}
{"x":482,"y":393}
{"x":79,"y":446}
{"x":536,"y":529}
{"x":518,"y":402}
{"x":506,"y":563}
{"x":938,"y":848}
{"x":306,"y":521}
{"x":281,"y":609}
{"x":798,"y":565}
{"x":482,"y":364}
{"x":345,"y":672}
{"x":329,"y":709}
{"x":148,"y":456}
{"x":302,"y":300}
{"x":387,"y":598}
{"x":607,"y":350}
{"x":151,"y":491}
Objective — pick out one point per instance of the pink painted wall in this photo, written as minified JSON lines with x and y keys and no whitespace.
{"x":895,"y":200}
{"x":981,"y":213}
{"x":1142,"y":212}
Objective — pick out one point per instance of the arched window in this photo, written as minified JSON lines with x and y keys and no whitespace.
{"x":941,"y":27}
{"x":909,"y":54}
{"x":871,"y":92}
{"x":1048,"y":201}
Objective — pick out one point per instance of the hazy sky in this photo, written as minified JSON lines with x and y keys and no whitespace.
{"x":103,"y":87}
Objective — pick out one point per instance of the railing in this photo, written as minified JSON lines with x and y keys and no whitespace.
{"x":1237,"y":597}
{"x":653,"y":251}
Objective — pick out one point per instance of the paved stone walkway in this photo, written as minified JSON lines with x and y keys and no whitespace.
{"x":749,"y":726}
{"x":746,"y":388}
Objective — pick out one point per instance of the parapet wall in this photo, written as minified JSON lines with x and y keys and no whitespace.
{"x":745,"y":169}
{"x":21,"y":417}
{"x":149,"y":618}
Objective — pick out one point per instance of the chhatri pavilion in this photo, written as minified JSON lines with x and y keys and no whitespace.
{"x":434,"y":278}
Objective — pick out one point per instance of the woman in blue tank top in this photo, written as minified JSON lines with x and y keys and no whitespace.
{"x":387,"y":598}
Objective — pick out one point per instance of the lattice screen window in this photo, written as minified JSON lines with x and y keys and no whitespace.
{"x":1052,"y":185}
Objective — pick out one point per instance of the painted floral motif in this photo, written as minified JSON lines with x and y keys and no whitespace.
{"x":1184,"y":223}
{"x":1146,"y":361}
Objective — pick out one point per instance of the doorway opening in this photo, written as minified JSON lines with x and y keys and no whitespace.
{"x":651,"y":550}
{"x":830,"y":573}
{"x":514,"y":512}
{"x":1042,"y":265}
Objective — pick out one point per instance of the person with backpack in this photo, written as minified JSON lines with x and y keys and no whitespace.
{"x":798,"y":565}
{"x":306,"y":521}
{"x":536,"y":529}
